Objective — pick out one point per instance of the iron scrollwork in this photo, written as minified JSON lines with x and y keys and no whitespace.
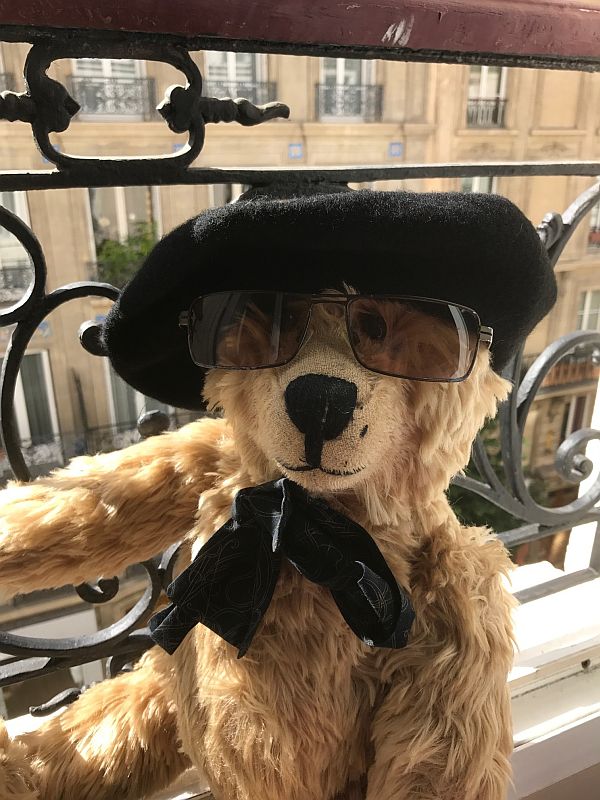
{"x":48,"y":107}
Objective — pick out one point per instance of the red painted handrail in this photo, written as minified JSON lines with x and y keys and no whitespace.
{"x":557,"y":29}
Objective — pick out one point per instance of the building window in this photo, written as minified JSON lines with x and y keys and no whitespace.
{"x":125,"y":224}
{"x":594,"y":232}
{"x":112,"y":87}
{"x":486,"y":104}
{"x":347,"y":91}
{"x":118,"y":212}
{"x":15,"y":266}
{"x":574,"y":415}
{"x":126,"y":404}
{"x":35,"y":406}
{"x":588,"y":314}
{"x":484,"y":185}
{"x":237,"y":75}
{"x":7,"y":82}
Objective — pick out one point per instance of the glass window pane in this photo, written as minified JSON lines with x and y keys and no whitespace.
{"x":8,"y":200}
{"x":475,"y":82}
{"x":104,"y":214}
{"x":138,"y":207}
{"x":492,"y":83}
{"x":216,"y":66}
{"x":352,"y":71}
{"x":330,"y":71}
{"x":91,"y":67}
{"x":245,"y":68}
{"x":124,"y":402}
{"x":36,"y":399}
{"x":122,"y":68}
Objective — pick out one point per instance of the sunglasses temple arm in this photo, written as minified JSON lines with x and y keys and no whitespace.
{"x":486,"y":335}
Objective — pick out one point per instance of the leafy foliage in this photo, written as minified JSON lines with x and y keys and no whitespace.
{"x":474,"y":510}
{"x":117,"y":262}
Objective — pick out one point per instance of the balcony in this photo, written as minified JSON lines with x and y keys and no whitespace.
{"x":15,"y":277}
{"x":556,"y":625}
{"x":258,"y":92}
{"x":114,"y":97}
{"x":485,"y":112}
{"x":7,"y":82}
{"x":360,"y":102}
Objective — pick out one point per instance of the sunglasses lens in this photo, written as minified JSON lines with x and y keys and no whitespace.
{"x":246,"y":330}
{"x":417,"y":339}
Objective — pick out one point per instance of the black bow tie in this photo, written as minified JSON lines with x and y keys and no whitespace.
{"x":230,"y":583}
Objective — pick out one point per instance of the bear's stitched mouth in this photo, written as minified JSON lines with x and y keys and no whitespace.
{"x":338,"y":473}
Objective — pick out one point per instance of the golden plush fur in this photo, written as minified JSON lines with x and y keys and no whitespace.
{"x":310,"y":713}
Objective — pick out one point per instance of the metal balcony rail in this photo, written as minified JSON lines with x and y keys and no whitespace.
{"x":594,"y":238}
{"x":360,"y":102}
{"x":47,"y":108}
{"x":128,"y":97}
{"x":258,"y":92}
{"x":7,"y":81}
{"x":15,"y":275}
{"x":485,"y":112}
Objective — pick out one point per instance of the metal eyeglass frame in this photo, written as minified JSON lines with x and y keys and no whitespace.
{"x":485,"y":333}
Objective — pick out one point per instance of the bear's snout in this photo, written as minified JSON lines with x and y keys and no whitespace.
{"x":321,"y":408}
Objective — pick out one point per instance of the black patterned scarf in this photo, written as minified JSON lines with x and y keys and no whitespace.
{"x":230,"y":583}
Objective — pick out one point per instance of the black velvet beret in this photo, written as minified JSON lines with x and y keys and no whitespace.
{"x":475,"y":249}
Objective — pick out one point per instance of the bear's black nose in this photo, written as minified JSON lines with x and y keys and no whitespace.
{"x":320,"y":407}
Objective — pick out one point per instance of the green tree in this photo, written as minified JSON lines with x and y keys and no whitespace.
{"x":117,"y":262}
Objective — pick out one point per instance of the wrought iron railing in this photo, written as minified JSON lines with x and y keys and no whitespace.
{"x":485,"y":112}
{"x":48,"y":107}
{"x":361,"y":101}
{"x":128,"y":97}
{"x":47,"y":451}
{"x":257,"y":92}
{"x":7,"y":81}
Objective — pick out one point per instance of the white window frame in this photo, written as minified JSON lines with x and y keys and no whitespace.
{"x":476,"y":184}
{"x":586,"y":308}
{"x":21,"y":407}
{"x":483,"y":79}
{"x":572,"y":401}
{"x":367,"y":78}
{"x":140,"y":399}
{"x":106,"y":68}
{"x":140,"y":72}
{"x":260,"y":66}
{"x":121,"y":214}
{"x":367,"y":75}
{"x":21,"y":205}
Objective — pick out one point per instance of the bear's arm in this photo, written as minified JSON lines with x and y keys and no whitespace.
{"x":104,"y":512}
{"x":118,"y":741}
{"x":443,"y":731}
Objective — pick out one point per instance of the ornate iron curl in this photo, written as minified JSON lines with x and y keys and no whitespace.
{"x":512,"y":494}
{"x":39,"y":656}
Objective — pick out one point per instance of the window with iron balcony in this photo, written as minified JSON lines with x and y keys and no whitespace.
{"x":112,"y":88}
{"x":486,"y":103}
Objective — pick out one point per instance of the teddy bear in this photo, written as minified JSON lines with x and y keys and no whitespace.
{"x":333,"y":632}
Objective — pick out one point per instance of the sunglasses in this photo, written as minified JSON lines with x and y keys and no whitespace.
{"x":405,"y":337}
